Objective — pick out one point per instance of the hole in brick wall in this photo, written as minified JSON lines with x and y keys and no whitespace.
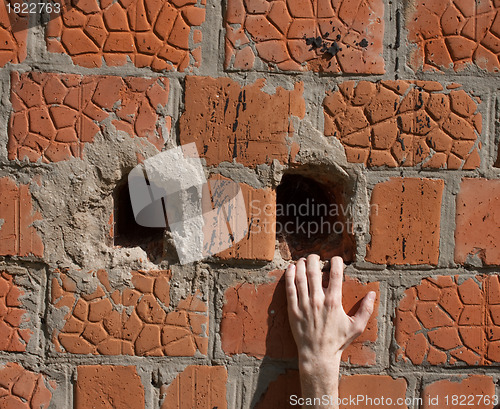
{"x":311,"y":217}
{"x":127,"y":233}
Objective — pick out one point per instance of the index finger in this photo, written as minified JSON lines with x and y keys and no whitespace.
{"x":334,"y":290}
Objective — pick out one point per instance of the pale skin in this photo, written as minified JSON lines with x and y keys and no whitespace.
{"x":320,"y":326}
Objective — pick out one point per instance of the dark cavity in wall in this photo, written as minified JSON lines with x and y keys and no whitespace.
{"x":311,"y":217}
{"x":127,"y":233}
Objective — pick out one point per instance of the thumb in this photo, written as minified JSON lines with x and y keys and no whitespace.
{"x":360,"y":319}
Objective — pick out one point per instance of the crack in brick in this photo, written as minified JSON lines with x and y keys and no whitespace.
{"x":156,"y":34}
{"x":20,"y":388}
{"x":13,"y":34}
{"x":17,"y":234}
{"x":441,"y":321}
{"x":133,"y":321}
{"x":404,"y":123}
{"x":54,"y":115}
{"x":12,"y":337}
{"x":299,"y":35}
{"x":455,"y":34}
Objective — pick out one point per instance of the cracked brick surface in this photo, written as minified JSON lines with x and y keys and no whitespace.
{"x":157,"y":34}
{"x":54,"y":115}
{"x":196,"y":387}
{"x":132,"y":321}
{"x":298,"y":35}
{"x":227,"y":122}
{"x":23,"y":389}
{"x":445,"y":320}
{"x":260,"y":240}
{"x":287,"y":384}
{"x":99,"y":386}
{"x":13,"y":34}
{"x":406,"y":228}
{"x":454,"y":34}
{"x":18,"y":236}
{"x":477,"y":231}
{"x":478,"y":386}
{"x":12,"y":337}
{"x":404,"y":123}
{"x":255,"y":321}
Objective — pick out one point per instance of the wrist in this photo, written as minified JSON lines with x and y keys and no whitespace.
{"x":315,"y":365}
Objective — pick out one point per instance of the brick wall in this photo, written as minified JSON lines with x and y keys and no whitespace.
{"x":385,"y":110}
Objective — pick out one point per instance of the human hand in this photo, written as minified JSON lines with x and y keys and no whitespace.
{"x":320,"y":326}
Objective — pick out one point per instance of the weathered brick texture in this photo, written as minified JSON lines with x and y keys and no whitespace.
{"x":132,"y":321}
{"x":54,"y":115}
{"x":227,"y":122}
{"x":196,"y":387}
{"x":446,"y":320}
{"x":481,"y":388}
{"x":96,"y":385}
{"x":478,"y":221}
{"x":255,"y":321}
{"x":14,"y":33}
{"x":156,"y":34}
{"x":405,"y":229}
{"x":18,"y":236}
{"x":455,"y":34}
{"x":297,"y":35}
{"x":23,"y":389}
{"x":12,"y":337}
{"x":404,"y":123}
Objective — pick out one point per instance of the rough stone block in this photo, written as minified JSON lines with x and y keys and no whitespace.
{"x":295,"y":35}
{"x":445,"y":320}
{"x":54,"y":115}
{"x":197,"y":387}
{"x":128,"y":321}
{"x":405,"y":221}
{"x":404,"y":123}
{"x":477,"y":231}
{"x":228,"y":123}
{"x":150,"y":34}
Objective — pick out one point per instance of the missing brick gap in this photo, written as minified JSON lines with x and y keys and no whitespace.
{"x":129,"y":234}
{"x":312,"y":217}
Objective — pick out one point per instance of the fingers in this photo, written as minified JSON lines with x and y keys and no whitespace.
{"x":291,"y":289}
{"x":364,"y":313}
{"x":314,"y":275}
{"x":334,"y":290}
{"x":301,"y":283}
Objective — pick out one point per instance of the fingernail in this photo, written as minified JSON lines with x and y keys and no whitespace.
{"x":371,"y":295}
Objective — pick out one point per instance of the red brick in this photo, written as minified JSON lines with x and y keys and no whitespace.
{"x":147,"y":33}
{"x":283,"y":32}
{"x":279,"y":391}
{"x":99,"y":386}
{"x":454,"y":34}
{"x":227,"y":123}
{"x":255,"y":321}
{"x":405,"y":221}
{"x":477,"y":231}
{"x":259,"y":243}
{"x":54,"y":115}
{"x":12,"y":337}
{"x":420,"y":126}
{"x":479,"y":387}
{"x":23,"y":389}
{"x":14,"y":34}
{"x":197,"y":387}
{"x":440,"y":321}
{"x":129,"y":321}
{"x":18,"y":236}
